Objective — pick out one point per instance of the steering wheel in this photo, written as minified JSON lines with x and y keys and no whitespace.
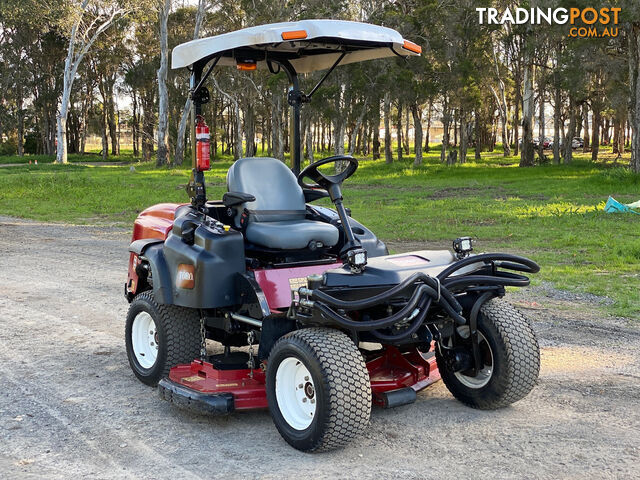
{"x":326,"y":181}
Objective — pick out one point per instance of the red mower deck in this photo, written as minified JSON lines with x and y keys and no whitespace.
{"x":395,"y":378}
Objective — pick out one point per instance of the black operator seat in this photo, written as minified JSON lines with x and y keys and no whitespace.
{"x":276,"y":218}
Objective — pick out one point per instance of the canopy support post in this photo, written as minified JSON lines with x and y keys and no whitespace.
{"x":196,"y":187}
{"x":295,"y":98}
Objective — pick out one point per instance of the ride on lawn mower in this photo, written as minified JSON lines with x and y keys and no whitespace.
{"x":333,"y":323}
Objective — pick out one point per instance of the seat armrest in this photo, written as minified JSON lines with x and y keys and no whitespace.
{"x":231,"y":199}
{"x":313,"y":194}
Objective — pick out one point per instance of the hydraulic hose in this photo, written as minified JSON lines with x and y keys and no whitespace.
{"x":427,"y":291}
{"x":504,"y":279}
{"x":526,"y":265}
{"x":413,"y":327}
{"x":375,"y":324}
{"x":366,"y":325}
{"x":386,"y":295}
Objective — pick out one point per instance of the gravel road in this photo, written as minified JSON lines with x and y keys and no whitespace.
{"x":71,"y":408}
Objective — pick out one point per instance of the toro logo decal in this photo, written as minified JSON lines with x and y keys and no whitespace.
{"x":186,"y":276}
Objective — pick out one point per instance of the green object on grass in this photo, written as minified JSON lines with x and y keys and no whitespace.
{"x":614,"y":206}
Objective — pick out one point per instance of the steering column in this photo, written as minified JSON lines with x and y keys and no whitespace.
{"x":352,"y":251}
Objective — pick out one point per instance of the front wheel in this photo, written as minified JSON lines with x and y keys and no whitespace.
{"x":510,"y":355}
{"x":318,"y":389}
{"x":159,"y":337}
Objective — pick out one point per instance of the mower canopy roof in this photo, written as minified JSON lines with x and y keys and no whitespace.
{"x":309,"y":45}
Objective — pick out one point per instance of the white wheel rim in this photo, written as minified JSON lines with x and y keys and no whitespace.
{"x":295,"y":393}
{"x":485,"y":374}
{"x":144,"y":340}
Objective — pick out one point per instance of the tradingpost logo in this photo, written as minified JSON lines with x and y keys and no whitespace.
{"x":583,"y":22}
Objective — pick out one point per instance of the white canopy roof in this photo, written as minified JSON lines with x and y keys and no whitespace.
{"x":308,"y":44}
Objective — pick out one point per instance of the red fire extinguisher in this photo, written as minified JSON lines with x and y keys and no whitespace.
{"x":202,"y":144}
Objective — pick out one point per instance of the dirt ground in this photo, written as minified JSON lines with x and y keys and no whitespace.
{"x":71,"y":408}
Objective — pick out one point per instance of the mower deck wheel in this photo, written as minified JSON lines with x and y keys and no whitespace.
{"x":318,"y":389}
{"x":159,"y":337}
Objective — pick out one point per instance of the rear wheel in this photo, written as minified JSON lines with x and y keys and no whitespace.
{"x":510,"y":355}
{"x":159,"y":337}
{"x":318,"y":389}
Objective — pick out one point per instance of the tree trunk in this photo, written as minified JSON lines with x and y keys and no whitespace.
{"x":516,"y":112}
{"x":416,"y":112}
{"x":478,"y":145}
{"x":276,"y":127}
{"x":456,"y":120}
{"x":262,"y":135}
{"x":339,"y":124}
{"x":585,"y":128}
{"x":463,"y":135}
{"x":615,"y":144}
{"x":134,"y":122}
{"x":595,"y":132}
{"x":541,"y":130}
{"x":620,"y":143}
{"x":61,"y":135}
{"x":105,"y":139}
{"x":501,"y":100}
{"x":375,"y":127}
{"x":526,"y":157}
{"x":428,"y":136}
{"x":250,"y":130}
{"x":111,"y":115}
{"x":399,"y":130}
{"x":568,"y":141}
{"x":309,"y":138}
{"x":147,"y":125}
{"x":86,"y":105}
{"x":446,"y":119}
{"x":363,"y":112}
{"x":163,"y":94}
{"x":182,"y":130}
{"x":237,"y":131}
{"x":605,"y":131}
{"x":405,"y":137}
{"x":556,"y":124}
{"x":20,"y":118}
{"x":388,"y":155}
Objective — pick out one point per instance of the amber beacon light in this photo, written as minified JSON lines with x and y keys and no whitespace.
{"x":294,"y":35}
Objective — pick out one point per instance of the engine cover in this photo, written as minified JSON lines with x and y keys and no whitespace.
{"x":390,"y":270}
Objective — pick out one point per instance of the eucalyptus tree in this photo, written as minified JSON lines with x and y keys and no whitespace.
{"x":182,"y":127}
{"x":87,"y":21}
{"x":162,"y":158}
{"x":631,"y":20}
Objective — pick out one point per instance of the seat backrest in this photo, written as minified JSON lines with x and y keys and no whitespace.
{"x":278,"y":195}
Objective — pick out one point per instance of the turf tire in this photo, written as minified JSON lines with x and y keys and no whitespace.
{"x":178,"y":331}
{"x":342,"y":388}
{"x":516,"y":359}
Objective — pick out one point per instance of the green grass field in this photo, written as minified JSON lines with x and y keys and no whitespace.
{"x":554,"y":214}
{"x":125,"y":156}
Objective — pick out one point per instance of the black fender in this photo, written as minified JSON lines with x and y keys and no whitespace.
{"x":161,"y":277}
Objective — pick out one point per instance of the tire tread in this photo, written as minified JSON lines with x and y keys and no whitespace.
{"x":182,"y":332}
{"x":522,"y":367}
{"x":345,"y":377}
